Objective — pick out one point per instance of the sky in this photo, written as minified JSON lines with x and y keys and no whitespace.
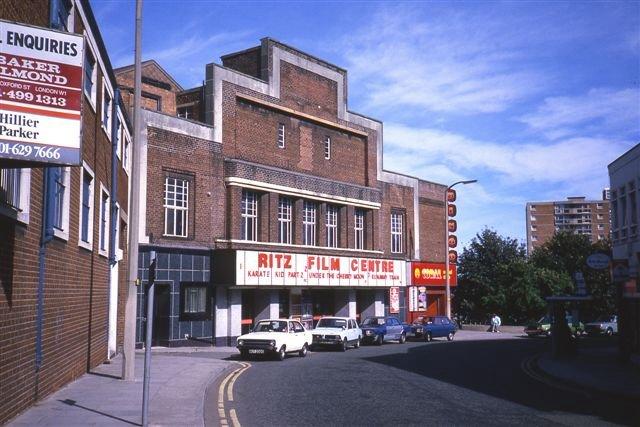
{"x":532,"y":98}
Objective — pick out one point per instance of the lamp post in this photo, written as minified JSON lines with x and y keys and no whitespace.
{"x":446,"y":244}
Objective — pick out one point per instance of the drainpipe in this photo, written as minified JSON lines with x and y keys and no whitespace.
{"x":46,"y":235}
{"x":114,"y":178}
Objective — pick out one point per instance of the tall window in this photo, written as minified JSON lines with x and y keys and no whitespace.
{"x":327,"y":147}
{"x":176,"y":207}
{"x":332,"y":226}
{"x":58,"y":199}
{"x":284,"y":220}
{"x":249,"y":214}
{"x":396,"y":233}
{"x":106,"y":110}
{"x":358,"y":225}
{"x":86,"y":217}
{"x":61,"y":10}
{"x":281,"y":135}
{"x":309,"y":210}
{"x":89,"y":74}
{"x":104,"y":222}
{"x":10,"y":188}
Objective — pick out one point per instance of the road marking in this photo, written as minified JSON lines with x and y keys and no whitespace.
{"x":230,"y":379}
{"x":527,"y":367}
{"x":234,"y":418}
{"x":233,"y":380}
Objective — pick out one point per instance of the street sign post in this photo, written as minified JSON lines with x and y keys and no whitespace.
{"x":147,"y":346}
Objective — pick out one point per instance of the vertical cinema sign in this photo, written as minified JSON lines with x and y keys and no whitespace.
{"x":40,"y":94}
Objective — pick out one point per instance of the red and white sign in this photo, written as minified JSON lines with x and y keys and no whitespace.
{"x":430,"y":273}
{"x":40,"y":94}
{"x":394,"y":300}
{"x":255,"y":268}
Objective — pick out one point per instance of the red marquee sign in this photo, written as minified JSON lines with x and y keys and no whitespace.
{"x":427,"y":273}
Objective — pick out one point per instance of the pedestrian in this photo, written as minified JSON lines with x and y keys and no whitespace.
{"x":495,"y":323}
{"x":493,"y":326}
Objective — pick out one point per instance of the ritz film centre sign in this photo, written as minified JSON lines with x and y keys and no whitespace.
{"x":291,"y":269}
{"x":40,"y":94}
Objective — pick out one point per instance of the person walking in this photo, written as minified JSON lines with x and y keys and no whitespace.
{"x":498,"y":323}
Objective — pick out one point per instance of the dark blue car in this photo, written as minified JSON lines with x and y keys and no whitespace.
{"x":429,"y":327}
{"x":382,"y":328}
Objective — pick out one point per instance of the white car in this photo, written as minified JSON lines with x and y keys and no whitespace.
{"x":338,"y":332}
{"x":275,"y":336}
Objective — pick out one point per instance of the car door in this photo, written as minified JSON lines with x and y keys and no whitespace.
{"x":301,"y":336}
{"x":293,"y":343}
{"x":395,"y":329}
{"x":438,"y":327}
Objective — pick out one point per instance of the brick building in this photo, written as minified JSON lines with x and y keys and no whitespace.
{"x":264,"y":196}
{"x":83,"y":241}
{"x":574,"y":215}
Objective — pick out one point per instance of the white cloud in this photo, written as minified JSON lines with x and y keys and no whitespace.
{"x":599,"y":110}
{"x":513,"y":163}
{"x":438,"y":65}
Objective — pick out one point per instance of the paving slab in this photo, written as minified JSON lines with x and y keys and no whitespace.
{"x":100,"y":398}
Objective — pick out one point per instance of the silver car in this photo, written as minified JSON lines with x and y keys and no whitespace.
{"x":603,"y":325}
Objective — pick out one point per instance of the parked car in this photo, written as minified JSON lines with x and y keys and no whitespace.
{"x":340,"y":332}
{"x":606,"y":325}
{"x":429,"y":327}
{"x":275,"y":337}
{"x":543,"y":327}
{"x":380,"y":328}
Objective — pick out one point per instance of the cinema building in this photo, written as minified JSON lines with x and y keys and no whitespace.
{"x":64,"y":183}
{"x":264,"y":196}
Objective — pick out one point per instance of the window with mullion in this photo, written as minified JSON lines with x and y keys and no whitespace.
{"x":284,"y":220}
{"x":332,"y":226}
{"x":309,"y":211}
{"x":396,"y":233}
{"x":358,"y":226}
{"x":87,"y":181}
{"x":59,"y":195}
{"x":249,"y":214}
{"x":176,"y":207}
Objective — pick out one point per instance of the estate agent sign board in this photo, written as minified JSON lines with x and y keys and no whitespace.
{"x":40,"y":94}
{"x":292,"y":269}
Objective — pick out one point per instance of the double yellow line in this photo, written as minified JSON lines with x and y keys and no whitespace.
{"x":228,"y":383}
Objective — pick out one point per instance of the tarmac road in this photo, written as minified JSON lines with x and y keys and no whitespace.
{"x":478,"y":379}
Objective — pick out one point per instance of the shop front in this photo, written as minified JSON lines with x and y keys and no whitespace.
{"x":426,"y":295}
{"x":304,"y":286}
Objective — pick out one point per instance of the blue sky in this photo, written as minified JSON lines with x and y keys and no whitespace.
{"x":534,"y":99}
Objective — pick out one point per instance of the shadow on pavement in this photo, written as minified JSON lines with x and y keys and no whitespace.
{"x":73,"y":403}
{"x":496,"y":371}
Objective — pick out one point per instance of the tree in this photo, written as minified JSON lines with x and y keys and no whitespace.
{"x":484,"y":273}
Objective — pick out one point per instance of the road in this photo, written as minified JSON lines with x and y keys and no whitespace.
{"x":476,"y":379}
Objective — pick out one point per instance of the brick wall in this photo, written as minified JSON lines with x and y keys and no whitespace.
{"x":193,"y":100}
{"x":308,"y":92}
{"x":155,"y":86}
{"x":170,"y":152}
{"x":247,"y":62}
{"x":76,"y":280}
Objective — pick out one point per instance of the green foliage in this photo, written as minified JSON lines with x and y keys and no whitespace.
{"x":495,"y":276}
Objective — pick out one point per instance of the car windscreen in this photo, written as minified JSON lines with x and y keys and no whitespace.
{"x":332,"y":323}
{"x":373,"y":321}
{"x":270,"y":326}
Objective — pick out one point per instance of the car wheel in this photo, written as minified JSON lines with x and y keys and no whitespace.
{"x":427,"y":336}
{"x":357,"y":344}
{"x":303,"y":350}
{"x":282,"y":353}
{"x":609,"y":332}
{"x":344,"y":345}
{"x":379,"y":340}
{"x":244,"y":354}
{"x":450,"y":336}
{"x":403,"y":338}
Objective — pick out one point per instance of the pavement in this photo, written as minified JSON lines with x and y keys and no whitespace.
{"x":596,"y":369}
{"x":100,"y":398}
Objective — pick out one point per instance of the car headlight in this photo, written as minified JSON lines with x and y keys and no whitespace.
{"x":240,"y":342}
{"x":601,"y":326}
{"x":272,"y":343}
{"x":418,"y":329}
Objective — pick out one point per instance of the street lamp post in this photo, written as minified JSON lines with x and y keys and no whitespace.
{"x":446,"y":244}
